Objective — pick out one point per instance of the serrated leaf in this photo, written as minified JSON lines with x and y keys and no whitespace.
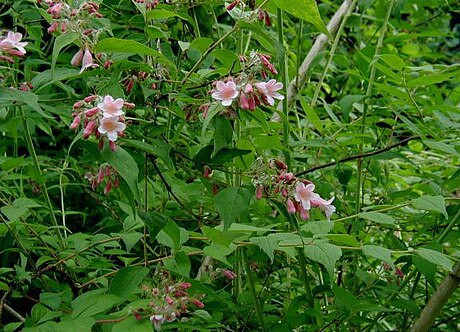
{"x":431,"y":203}
{"x":435,"y":257}
{"x":380,"y":253}
{"x":267,"y":244}
{"x":377,"y":217}
{"x":231,"y":203}
{"x":127,"y":280}
{"x":324,"y":253}
{"x":306,"y":10}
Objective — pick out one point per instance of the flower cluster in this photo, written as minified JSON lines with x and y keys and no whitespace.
{"x":81,"y":18}
{"x":168,"y":302}
{"x":297,"y":193}
{"x":246,"y":90}
{"x":11,"y":45}
{"x":101,"y":116}
{"x":149,"y":4}
{"x":262,"y":15}
{"x":106,"y":174}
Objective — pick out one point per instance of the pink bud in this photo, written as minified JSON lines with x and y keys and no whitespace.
{"x":252,"y":103}
{"x":207,"y":172}
{"x":55,"y":10}
{"x":233,"y":4}
{"x":280,"y":164}
{"x":89,"y":129}
{"x":100,"y":145}
{"x":129,"y":105}
{"x":248,"y":89}
{"x":290,"y":206}
{"x":230,"y":275}
{"x":100,"y":176}
{"x":304,"y":214}
{"x":244,"y":104}
{"x":169,"y":300}
{"x":53,"y":27}
{"x":91,"y":112}
{"x":108,"y":187}
{"x":185,"y":285}
{"x":75,"y":123}
{"x":268,"y":22}
{"x":77,"y":105}
{"x":197,"y":302}
{"x":116,"y":181}
{"x":90,"y":99}
{"x":63,"y":27}
{"x":108,"y":64}
{"x":77,"y":58}
{"x":6,"y":58}
{"x":260,"y":15}
{"x":112,"y":145}
{"x":259,"y":191}
{"x":129,"y":84}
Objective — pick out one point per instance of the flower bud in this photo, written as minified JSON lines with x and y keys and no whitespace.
{"x":290,"y":206}
{"x":197,"y":302}
{"x":259,"y":191}
{"x":89,"y":129}
{"x":75,"y":123}
{"x":92,"y":112}
{"x":233,"y":4}
{"x":77,"y":58}
{"x":108,"y":187}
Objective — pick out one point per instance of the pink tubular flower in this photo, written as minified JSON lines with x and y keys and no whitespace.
{"x":290,"y":206}
{"x":55,"y":10}
{"x":111,"y":107}
{"x":230,"y":275}
{"x":304,"y":195}
{"x":325,"y":206}
{"x":269,"y":90}
{"x":13,"y":40}
{"x":87,"y":61}
{"x":112,"y":127}
{"x":77,"y":58}
{"x":225,"y":92}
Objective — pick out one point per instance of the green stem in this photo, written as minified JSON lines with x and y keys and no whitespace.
{"x":46,"y":196}
{"x":449,"y":227}
{"x":252,"y":289}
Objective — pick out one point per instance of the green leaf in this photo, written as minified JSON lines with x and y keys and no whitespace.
{"x":130,"y":239}
{"x":92,"y":303}
{"x":435,"y":257}
{"x":432,"y":79}
{"x":172,"y":236}
{"x":127,"y":280}
{"x":125,"y":165}
{"x":154,"y":221}
{"x":61,"y":42}
{"x":231,"y":203}
{"x":380,"y":253}
{"x":161,"y":14}
{"x":130,"y":46}
{"x":156,"y":148}
{"x":311,"y":115}
{"x":83,"y":324}
{"x":180,"y":264}
{"x":431,"y":203}
{"x":219,"y":252}
{"x":12,"y":97}
{"x":131,"y":324}
{"x":267,"y":244}
{"x":306,"y":10}
{"x":317,"y":227}
{"x":343,"y":240}
{"x":325,"y":254}
{"x":377,"y":217}
{"x":344,"y":300}
{"x":223,"y":134}
{"x":440,"y":146}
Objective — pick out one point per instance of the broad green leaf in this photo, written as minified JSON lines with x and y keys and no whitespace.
{"x":431,"y":203}
{"x":427,"y":268}
{"x":380,"y":253}
{"x":223,"y":133}
{"x":435,"y":257}
{"x":60,"y":42}
{"x":25,"y":203}
{"x":343,"y":240}
{"x":344,"y":300}
{"x":325,"y":254}
{"x":125,"y":165}
{"x":172,"y":236}
{"x":219,"y":252}
{"x":317,"y":227}
{"x":50,"y":76}
{"x":92,"y":303}
{"x":130,"y":239}
{"x":156,"y":148}
{"x":220,"y":237}
{"x":304,"y":9}
{"x":82,"y":324}
{"x":432,"y":79}
{"x":441,"y":146}
{"x":377,"y":217}
{"x":127,"y":281}
{"x":154,"y":221}
{"x":131,"y":324}
{"x":180,"y":264}
{"x":267,"y":244}
{"x":231,"y":203}
{"x":393,"y":61}
{"x":130,"y":46}
{"x":10,"y":97}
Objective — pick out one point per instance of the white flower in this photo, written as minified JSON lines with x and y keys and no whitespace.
{"x":269,"y":90}
{"x":225,"y":92}
{"x":13,"y":40}
{"x":111,"y":107}
{"x":111,"y":126}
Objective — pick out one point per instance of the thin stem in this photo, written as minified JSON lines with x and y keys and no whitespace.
{"x":252,"y":289}
{"x":449,"y":227}
{"x":33,"y":153}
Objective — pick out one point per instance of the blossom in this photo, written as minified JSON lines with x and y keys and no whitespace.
{"x":13,"y":40}
{"x":304,"y":194}
{"x":77,"y":58}
{"x":111,"y":126}
{"x":87,"y":61}
{"x":269,"y":90}
{"x":225,"y":92}
{"x":157,"y":320}
{"x":325,"y":205}
{"x":111,"y":107}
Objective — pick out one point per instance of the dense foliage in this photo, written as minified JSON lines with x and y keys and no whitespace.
{"x":203,"y":165}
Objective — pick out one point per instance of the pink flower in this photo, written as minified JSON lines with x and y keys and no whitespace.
{"x":87,"y":61}
{"x":112,"y":127}
{"x":55,"y":10}
{"x":304,"y":195}
{"x":111,"y":107}
{"x":290,"y":206}
{"x":325,"y":206}
{"x":157,"y":320}
{"x":13,"y":40}
{"x":77,"y":58}
{"x":269,"y":90}
{"x":230,"y":275}
{"x":225,"y":92}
